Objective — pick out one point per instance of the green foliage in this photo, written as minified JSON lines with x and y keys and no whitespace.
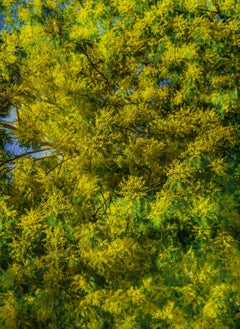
{"x":124,"y":210}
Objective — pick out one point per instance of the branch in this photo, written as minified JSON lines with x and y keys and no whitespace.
{"x":59,"y":164}
{"x":96,"y":69}
{"x":209,"y":10}
{"x":94,"y":218}
{"x":7,"y":126}
{"x":2,"y":163}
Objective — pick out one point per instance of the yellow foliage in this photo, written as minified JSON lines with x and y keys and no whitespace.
{"x":120,"y":204}
{"x":8,"y":311}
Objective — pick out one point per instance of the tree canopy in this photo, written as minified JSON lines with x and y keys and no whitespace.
{"x":122,"y":208}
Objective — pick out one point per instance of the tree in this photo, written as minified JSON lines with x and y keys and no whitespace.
{"x":122,"y":211}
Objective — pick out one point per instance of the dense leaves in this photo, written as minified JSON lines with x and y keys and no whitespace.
{"x":122,"y":208}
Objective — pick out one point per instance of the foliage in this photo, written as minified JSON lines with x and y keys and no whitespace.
{"x":123,"y":212}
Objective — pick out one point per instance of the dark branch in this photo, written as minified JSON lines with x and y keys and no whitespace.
{"x":7,"y":126}
{"x":96,"y":69}
{"x":2,"y":163}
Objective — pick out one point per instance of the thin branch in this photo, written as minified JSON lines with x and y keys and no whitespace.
{"x":2,"y":163}
{"x":17,"y":112}
{"x":96,"y":69}
{"x":46,"y":157}
{"x":209,"y":10}
{"x":7,"y":126}
{"x":94,"y":218}
{"x":59,"y":164}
